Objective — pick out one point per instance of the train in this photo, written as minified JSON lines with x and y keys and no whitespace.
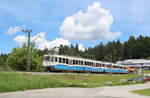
{"x":54,"y":63}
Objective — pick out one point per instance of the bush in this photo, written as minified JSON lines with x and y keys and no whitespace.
{"x":17,"y":60}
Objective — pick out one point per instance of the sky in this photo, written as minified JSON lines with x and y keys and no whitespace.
{"x":66,"y":22}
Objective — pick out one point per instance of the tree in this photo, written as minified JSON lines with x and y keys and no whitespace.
{"x":3,"y":66}
{"x":18,"y":58}
{"x":128,"y":48}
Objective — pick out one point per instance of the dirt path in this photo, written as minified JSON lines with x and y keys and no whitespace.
{"x":101,"y":92}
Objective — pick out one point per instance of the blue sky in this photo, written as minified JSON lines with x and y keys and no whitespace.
{"x":131,"y":17}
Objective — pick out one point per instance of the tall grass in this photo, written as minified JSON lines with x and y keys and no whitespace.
{"x":17,"y":81}
{"x":10,"y":81}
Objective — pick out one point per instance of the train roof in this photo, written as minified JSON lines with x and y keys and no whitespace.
{"x":72,"y":57}
{"x":85,"y":59}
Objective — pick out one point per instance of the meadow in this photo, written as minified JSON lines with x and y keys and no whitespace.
{"x":146,"y":71}
{"x":14,"y":81}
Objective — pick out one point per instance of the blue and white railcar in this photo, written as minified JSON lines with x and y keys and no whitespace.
{"x":68,"y":63}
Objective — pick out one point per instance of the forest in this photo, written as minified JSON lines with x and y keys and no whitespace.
{"x":133,"y":48}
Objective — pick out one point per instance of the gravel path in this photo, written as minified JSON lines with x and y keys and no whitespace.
{"x":100,"y":92}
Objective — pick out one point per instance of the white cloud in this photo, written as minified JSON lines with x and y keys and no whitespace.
{"x":15,"y":29}
{"x":91,"y":25}
{"x":41,"y":41}
{"x":20,"y":39}
{"x":81,"y":47}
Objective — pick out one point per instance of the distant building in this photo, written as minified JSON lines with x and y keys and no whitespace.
{"x":137,"y":63}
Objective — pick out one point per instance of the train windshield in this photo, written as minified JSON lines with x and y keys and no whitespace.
{"x":46,"y":58}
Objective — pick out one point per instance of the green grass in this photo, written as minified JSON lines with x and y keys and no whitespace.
{"x":11,"y":81}
{"x":146,"y":71}
{"x":142,"y":92}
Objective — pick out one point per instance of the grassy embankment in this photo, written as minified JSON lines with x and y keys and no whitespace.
{"x":146,"y":71}
{"x":11,"y":81}
{"x":142,"y":92}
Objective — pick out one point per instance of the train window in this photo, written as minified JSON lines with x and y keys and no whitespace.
{"x":52,"y":59}
{"x":81,"y":62}
{"x":89,"y":63}
{"x":67,"y":61}
{"x":93,"y":64}
{"x":46,"y":58}
{"x":60,"y":59}
{"x":63,"y":60}
{"x":106,"y":65}
{"x":110,"y":66}
{"x":55,"y":59}
{"x":78,"y":62}
{"x":97,"y":64}
{"x":85,"y":63}
{"x":70,"y":62}
{"x":75,"y":62}
{"x":114,"y":66}
{"x":100,"y":65}
{"x":103,"y":65}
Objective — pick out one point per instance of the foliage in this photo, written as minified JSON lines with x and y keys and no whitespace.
{"x":14,"y":81}
{"x":3,"y":65}
{"x":134,"y":48}
{"x":17,"y":60}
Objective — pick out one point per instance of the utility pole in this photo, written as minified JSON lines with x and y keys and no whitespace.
{"x":28,"y":50}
